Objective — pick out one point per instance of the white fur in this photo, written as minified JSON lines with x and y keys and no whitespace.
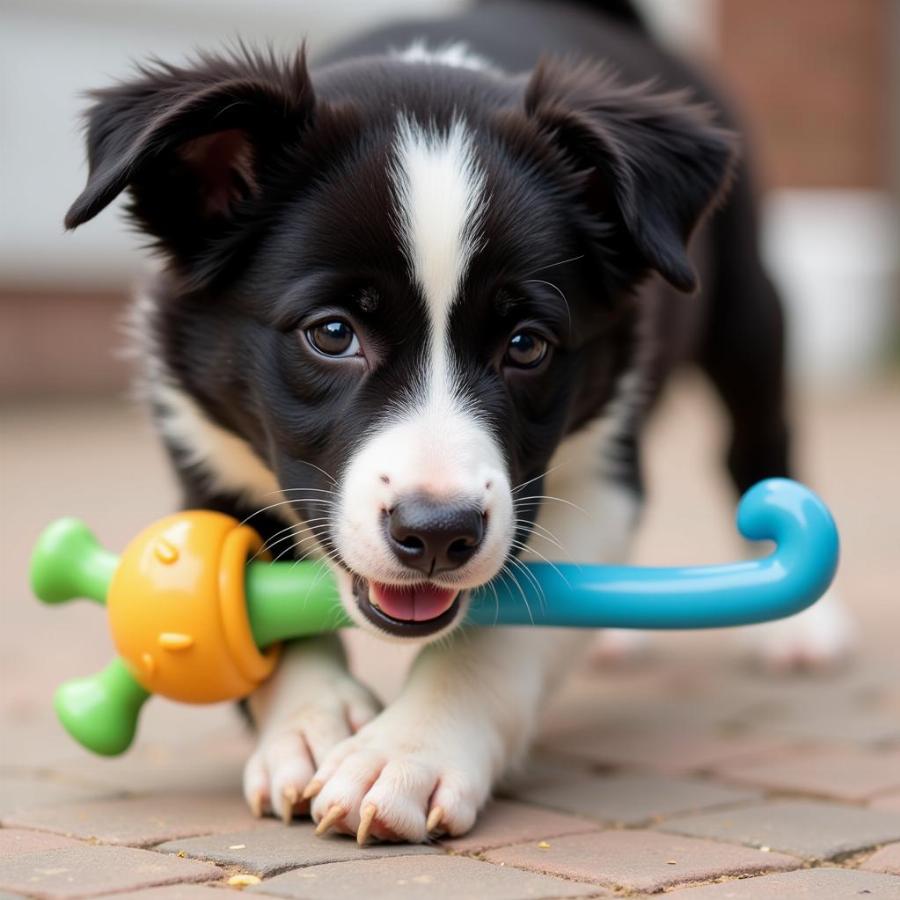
{"x":470,"y":706}
{"x":456,"y":54}
{"x":440,"y":206}
{"x":311,"y":705}
{"x":435,"y":442}
{"x":228,"y":462}
{"x":431,"y":448}
{"x":816,"y":638}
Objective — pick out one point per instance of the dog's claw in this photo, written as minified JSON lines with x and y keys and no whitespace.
{"x":256,"y":804}
{"x":312,"y":789}
{"x":365,"y":823}
{"x":288,"y":799}
{"x":335,"y":813}
{"x":434,"y":819}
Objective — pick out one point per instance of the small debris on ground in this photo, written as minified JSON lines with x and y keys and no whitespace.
{"x":242,"y":881}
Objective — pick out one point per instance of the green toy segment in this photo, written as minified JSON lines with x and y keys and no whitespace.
{"x":284,"y":600}
{"x":68,"y":562}
{"x":101,"y":711}
{"x":288,"y":601}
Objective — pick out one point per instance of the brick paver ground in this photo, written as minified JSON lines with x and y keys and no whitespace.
{"x":88,"y":871}
{"x":887,"y":859}
{"x":808,"y":828}
{"x":267,"y":851}
{"x":639,"y":860}
{"x":809,"y":884}
{"x":686,"y":772}
{"x":408,"y":877}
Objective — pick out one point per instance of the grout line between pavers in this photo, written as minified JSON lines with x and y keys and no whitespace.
{"x":623,"y":891}
{"x":290,"y":867}
{"x":96,"y":841}
{"x":809,"y":862}
{"x":652,"y":821}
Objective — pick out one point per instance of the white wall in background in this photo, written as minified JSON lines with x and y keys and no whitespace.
{"x":53,"y":50}
{"x":835,"y":254}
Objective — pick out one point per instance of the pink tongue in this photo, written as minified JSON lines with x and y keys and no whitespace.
{"x":412,"y":604}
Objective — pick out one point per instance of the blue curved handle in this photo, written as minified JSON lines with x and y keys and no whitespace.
{"x":792,"y":577}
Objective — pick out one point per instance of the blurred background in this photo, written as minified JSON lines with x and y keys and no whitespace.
{"x":816,"y":79}
{"x":819,"y":84}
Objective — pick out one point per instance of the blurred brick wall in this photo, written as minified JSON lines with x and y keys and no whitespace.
{"x":814,"y":80}
{"x":61,"y":342}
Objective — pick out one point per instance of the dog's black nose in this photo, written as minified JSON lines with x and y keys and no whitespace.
{"x":431,"y":536}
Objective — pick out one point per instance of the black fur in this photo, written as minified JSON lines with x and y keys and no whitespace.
{"x":267,"y":189}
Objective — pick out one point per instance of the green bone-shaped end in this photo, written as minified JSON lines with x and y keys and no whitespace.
{"x":68,"y":563}
{"x":101,"y":711}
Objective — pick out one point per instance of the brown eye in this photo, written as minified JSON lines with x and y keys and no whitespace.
{"x":334,"y":338}
{"x":526,"y":350}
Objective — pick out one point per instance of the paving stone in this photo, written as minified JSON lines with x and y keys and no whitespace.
{"x":887,"y":801}
{"x":806,"y":884}
{"x":20,"y":792}
{"x":631,"y":798}
{"x":540,"y":769}
{"x":806,"y":828}
{"x":265,"y":851}
{"x":407,"y":877}
{"x":14,"y":841}
{"x":143,"y":821}
{"x":860,"y":726}
{"x":639,"y":860}
{"x":671,"y":751}
{"x":887,"y":859}
{"x":506,"y":822}
{"x":211,"y":765}
{"x":176,"y":892}
{"x":87,"y":871}
{"x":844,"y":773}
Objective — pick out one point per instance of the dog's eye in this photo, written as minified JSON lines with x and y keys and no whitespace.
{"x":333,"y":338}
{"x":526,"y":350}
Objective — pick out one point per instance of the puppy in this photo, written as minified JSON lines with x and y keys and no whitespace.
{"x":416,"y":305}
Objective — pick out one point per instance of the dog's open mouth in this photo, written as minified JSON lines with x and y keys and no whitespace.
{"x":416,"y":610}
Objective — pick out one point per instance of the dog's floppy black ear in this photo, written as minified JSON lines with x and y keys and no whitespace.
{"x":189,"y":141}
{"x":653,"y":163}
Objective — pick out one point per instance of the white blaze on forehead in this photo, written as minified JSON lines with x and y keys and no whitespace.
{"x":435,"y":440}
{"x":455,"y":54}
{"x":440,"y":198}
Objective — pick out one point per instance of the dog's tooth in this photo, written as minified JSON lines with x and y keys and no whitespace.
{"x":365,"y":823}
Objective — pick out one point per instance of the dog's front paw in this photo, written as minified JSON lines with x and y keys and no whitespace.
{"x":400,"y":781}
{"x":819,"y":638}
{"x":292,"y":747}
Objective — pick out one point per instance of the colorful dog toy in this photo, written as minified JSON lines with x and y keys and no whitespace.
{"x":193,"y":621}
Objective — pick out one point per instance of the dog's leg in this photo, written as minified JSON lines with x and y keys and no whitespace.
{"x":469,"y":708}
{"x":309,"y":705}
{"x":744,"y":356}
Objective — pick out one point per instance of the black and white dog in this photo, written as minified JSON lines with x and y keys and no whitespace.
{"x":416,"y":303}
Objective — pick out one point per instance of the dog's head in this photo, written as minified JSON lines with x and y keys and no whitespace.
{"x":403,"y":287}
